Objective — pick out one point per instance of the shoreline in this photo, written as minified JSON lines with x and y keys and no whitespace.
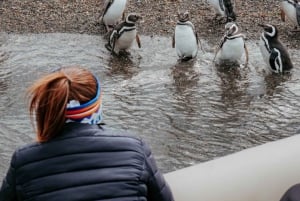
{"x":159,"y":17}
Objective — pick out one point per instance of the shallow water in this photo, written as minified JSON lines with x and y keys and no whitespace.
{"x":188,"y":112}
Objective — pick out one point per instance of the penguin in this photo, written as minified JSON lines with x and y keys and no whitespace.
{"x":273,"y":51}
{"x":113,"y":12}
{"x":185,"y":39}
{"x":123,"y":35}
{"x":223,"y":8}
{"x":291,"y":9}
{"x":232,"y":45}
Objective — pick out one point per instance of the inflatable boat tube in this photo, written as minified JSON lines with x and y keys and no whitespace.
{"x":261,"y":173}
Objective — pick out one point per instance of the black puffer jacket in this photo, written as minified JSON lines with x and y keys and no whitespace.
{"x":85,"y":163}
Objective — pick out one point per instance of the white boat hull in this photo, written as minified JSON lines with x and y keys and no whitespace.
{"x":261,"y":173}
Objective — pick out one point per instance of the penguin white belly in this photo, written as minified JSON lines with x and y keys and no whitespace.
{"x":232,"y":50}
{"x":265,"y":53}
{"x":185,"y":41}
{"x":216,"y":5}
{"x":115,"y":12}
{"x":125,"y":40}
{"x":290,"y":12}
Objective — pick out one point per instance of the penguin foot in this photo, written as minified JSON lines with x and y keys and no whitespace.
{"x":293,"y":32}
{"x":295,"y":29}
{"x":124,"y":53}
{"x":106,"y":35}
{"x":114,"y":54}
{"x":230,"y":19}
{"x":109,"y":28}
{"x":108,"y":47}
{"x":217,"y":16}
{"x":243,"y":66}
{"x":221,"y":20}
{"x":184,"y":59}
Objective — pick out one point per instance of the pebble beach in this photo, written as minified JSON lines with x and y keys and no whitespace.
{"x":159,"y":17}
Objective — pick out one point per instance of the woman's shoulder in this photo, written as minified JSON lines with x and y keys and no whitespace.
{"x":117,"y":132}
{"x":127,"y":138}
{"x":122,"y":135}
{"x":91,"y":139}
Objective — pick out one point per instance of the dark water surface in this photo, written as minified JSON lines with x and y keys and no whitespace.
{"x":188,"y":113}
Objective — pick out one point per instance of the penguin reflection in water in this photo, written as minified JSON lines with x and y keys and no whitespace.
{"x":273,"y":51}
{"x":123,"y":35}
{"x":223,"y":8}
{"x":113,"y":11}
{"x":232,"y":46}
{"x":291,"y":9}
{"x":185,"y":38}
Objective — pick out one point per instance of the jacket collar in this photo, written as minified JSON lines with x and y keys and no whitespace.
{"x":74,"y":129}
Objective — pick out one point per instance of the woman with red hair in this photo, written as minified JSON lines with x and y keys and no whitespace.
{"x":75,"y":156}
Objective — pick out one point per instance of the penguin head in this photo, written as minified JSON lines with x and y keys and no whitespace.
{"x":270,"y":30}
{"x":231,"y":28}
{"x":183,"y":16}
{"x":132,"y":18}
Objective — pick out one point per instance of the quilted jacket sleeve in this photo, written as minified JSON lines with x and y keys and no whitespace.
{"x":292,"y":194}
{"x":158,"y":189}
{"x":8,"y":188}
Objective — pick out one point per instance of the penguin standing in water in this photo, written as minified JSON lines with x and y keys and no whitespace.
{"x":291,"y":9}
{"x":113,"y":11}
{"x":185,"y":38}
{"x":223,"y":8}
{"x":232,"y":45}
{"x":123,"y":35}
{"x":274,"y":53}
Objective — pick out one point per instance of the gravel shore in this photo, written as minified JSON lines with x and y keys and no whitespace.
{"x":82,"y":16}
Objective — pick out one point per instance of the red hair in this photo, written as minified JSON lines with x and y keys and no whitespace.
{"x":48,"y":98}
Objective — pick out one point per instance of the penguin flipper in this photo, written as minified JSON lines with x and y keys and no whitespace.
{"x":199,"y":41}
{"x":108,"y":47}
{"x":220,"y":46}
{"x":106,"y":6}
{"x":246,"y":54}
{"x":100,"y":16}
{"x":173,"y":41}
{"x":112,"y":40}
{"x":275,"y":60}
{"x":298,"y":12}
{"x":217,"y":51}
{"x":123,"y":16}
{"x":222,"y":41}
{"x":137,"y":38}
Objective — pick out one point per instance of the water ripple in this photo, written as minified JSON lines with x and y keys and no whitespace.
{"x":188,"y":112}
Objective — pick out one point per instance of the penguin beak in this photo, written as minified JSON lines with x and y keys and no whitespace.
{"x":140,"y":18}
{"x":229,"y":32}
{"x":263,"y":26}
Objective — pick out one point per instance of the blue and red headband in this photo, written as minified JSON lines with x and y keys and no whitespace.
{"x":88,"y":112}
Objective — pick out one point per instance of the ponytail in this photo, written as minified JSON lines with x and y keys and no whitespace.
{"x":49,"y":97}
